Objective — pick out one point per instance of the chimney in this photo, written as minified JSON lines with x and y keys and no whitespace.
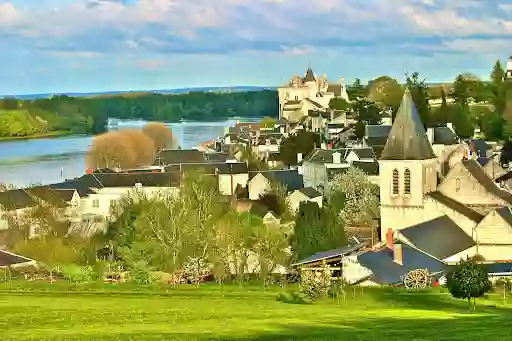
{"x":282,"y":129}
{"x":450,"y":125}
{"x":336,"y":157}
{"x":430,"y":135}
{"x":323,"y":145}
{"x":299,"y":157}
{"x":390,"y":238}
{"x":398,"y":254}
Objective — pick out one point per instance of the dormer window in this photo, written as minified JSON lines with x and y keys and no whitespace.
{"x":396,"y":182}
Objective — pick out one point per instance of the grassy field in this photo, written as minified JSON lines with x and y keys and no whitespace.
{"x":64,"y":312}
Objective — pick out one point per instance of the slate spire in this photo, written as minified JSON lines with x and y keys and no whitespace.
{"x":309,"y":77}
{"x":407,"y":139}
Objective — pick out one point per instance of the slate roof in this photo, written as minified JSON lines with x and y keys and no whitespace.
{"x":335,"y":89}
{"x":478,"y":173}
{"x":481,"y":147}
{"x":325,"y":155}
{"x":316,"y":104}
{"x":259,"y":209}
{"x":498,"y":267}
{"x":377,"y":130}
{"x":324,"y":255}
{"x":207,"y":168}
{"x":309,"y":77}
{"x":290,"y":178}
{"x":483,"y":160}
{"x":386,"y":271}
{"x":16,"y":199}
{"x":175,"y":156}
{"x":364,"y":153}
{"x":456,"y":206}
{"x":233,"y":168}
{"x":440,"y":237}
{"x":505,"y":177}
{"x":146,"y":179}
{"x":9,"y":259}
{"x":58,"y":197}
{"x":444,"y":135}
{"x":407,"y":139}
{"x":310,"y":192}
{"x":81,"y":185}
{"x":369,"y":168}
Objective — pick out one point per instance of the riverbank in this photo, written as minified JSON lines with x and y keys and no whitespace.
{"x":50,"y":134}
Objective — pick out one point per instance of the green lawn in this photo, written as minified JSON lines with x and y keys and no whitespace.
{"x":64,"y":312}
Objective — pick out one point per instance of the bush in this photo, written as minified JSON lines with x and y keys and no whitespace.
{"x":78,"y":274}
{"x":468,"y":280}
{"x":140,"y":273}
{"x":196,"y":270}
{"x":315,"y":284}
{"x":293,"y":297}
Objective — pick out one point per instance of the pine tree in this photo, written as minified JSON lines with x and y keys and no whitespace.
{"x":497,"y":74}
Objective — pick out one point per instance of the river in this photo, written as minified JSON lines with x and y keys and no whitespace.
{"x":50,"y":160}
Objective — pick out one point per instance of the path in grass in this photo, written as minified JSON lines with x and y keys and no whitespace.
{"x":206,"y":313}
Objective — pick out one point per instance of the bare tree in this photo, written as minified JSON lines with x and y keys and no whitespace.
{"x":141,"y":144}
{"x":111,"y":150}
{"x":161,"y":135}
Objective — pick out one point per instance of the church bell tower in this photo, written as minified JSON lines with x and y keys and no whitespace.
{"x":407,"y":168}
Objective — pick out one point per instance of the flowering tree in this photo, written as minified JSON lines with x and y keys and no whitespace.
{"x":355,"y":197}
{"x":315,"y":284}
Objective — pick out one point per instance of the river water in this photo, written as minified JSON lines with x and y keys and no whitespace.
{"x":50,"y":160}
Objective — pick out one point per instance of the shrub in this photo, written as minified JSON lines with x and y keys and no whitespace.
{"x":315,"y":284}
{"x":140,"y":273}
{"x":468,"y":280}
{"x":78,"y":274}
{"x":293,"y":297}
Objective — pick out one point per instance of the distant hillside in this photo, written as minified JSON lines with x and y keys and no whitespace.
{"x":136,"y":93}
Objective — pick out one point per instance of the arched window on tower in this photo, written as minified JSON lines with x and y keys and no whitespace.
{"x":407,"y":181}
{"x":396,"y":181}
{"x":457,"y":184}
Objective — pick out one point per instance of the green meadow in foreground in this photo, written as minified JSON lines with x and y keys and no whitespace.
{"x":126,"y":312}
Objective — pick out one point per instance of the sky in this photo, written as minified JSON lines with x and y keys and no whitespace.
{"x":101,"y":45}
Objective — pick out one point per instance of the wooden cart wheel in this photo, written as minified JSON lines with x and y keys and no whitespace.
{"x":417,"y":279}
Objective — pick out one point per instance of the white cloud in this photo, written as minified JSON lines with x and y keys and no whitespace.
{"x":185,"y":26}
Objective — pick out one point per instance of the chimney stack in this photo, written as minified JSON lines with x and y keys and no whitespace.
{"x":398,"y":254}
{"x":430,"y":135}
{"x":299,"y":157}
{"x":390,"y":238}
{"x":336,"y":157}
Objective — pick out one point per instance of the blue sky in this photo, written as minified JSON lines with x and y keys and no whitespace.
{"x":98,"y":45}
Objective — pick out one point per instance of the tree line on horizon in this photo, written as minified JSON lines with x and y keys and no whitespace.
{"x":475,"y":102}
{"x":89,"y":115}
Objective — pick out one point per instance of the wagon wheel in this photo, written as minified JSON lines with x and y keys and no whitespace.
{"x":417,"y":279}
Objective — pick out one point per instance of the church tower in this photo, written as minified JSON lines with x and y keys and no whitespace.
{"x":407,"y":168}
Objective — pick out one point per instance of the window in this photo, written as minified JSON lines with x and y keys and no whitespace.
{"x":457,"y":184}
{"x":396,"y":180}
{"x":407,"y":181}
{"x":296,"y":98}
{"x":95,"y":203}
{"x":113,"y":202}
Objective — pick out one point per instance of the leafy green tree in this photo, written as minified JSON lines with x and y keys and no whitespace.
{"x":339,"y":104}
{"x":462,"y":120}
{"x":366,"y":112}
{"x":468,"y":280}
{"x":357,"y":90}
{"x":268,"y":122}
{"x":498,"y":73}
{"x":385,"y":91}
{"x":420,"y":96}
{"x":303,"y":142}
{"x":316,"y":229}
